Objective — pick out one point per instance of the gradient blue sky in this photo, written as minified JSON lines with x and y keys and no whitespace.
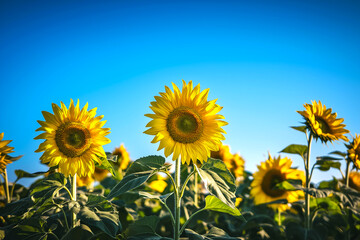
{"x":262,"y":59}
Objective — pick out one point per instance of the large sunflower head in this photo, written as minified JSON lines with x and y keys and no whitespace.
{"x":73,"y":139}
{"x":269,"y":174}
{"x":354,"y":180}
{"x":234,"y":162}
{"x":322,"y":123}
{"x":5,"y":159}
{"x":186,"y":123}
{"x":123,"y":159}
{"x":353,"y":152}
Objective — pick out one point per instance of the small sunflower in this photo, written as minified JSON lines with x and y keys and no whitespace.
{"x":234,"y":162}
{"x":85,"y":181}
{"x":186,"y":123}
{"x":159,"y":184}
{"x":5,"y":159}
{"x":354,"y":180}
{"x":272,"y":172}
{"x":354,"y":151}
{"x":322,"y":123}
{"x":123,"y":157}
{"x":73,"y":139}
{"x":100,"y":174}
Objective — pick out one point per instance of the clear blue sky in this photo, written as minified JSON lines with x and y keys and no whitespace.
{"x":262,"y":59}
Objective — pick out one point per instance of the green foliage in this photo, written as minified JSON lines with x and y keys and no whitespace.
{"x":144,"y":226}
{"x":300,"y":128}
{"x":218,"y":181}
{"x":105,"y":163}
{"x":296,"y":149}
{"x":214,"y":204}
{"x":138,"y":173}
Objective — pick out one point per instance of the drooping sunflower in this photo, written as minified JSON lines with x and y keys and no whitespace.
{"x":234,"y":162}
{"x":270,"y":173}
{"x":354,"y":180}
{"x":100,"y":174}
{"x":322,"y":123}
{"x":5,"y":159}
{"x":73,"y":139}
{"x":186,"y":123}
{"x":353,"y":151}
{"x":85,"y":181}
{"x":123,"y":159}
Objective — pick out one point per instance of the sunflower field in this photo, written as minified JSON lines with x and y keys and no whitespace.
{"x":205,"y":192}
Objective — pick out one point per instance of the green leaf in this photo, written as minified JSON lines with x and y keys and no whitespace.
{"x":328,"y":203}
{"x":300,"y":128}
{"x":137,"y":174}
{"x":218,"y":180}
{"x":16,"y":208}
{"x":106,"y":221}
{"x":325,"y":165}
{"x":215,"y":204}
{"x":146,"y":164}
{"x":332,"y":184}
{"x":130,"y":182}
{"x":78,"y":232}
{"x":296,"y":149}
{"x":327,"y":158}
{"x":342,"y":154}
{"x":161,"y":198}
{"x":105,"y":164}
{"x":286,"y":185}
{"x":23,"y":174}
{"x":112,"y":158}
{"x":146,"y":225}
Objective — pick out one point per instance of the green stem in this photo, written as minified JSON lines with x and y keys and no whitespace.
{"x":172,"y":181}
{"x":186,"y":181}
{"x":177,"y":200}
{"x":347,"y":173}
{"x":279,"y":217}
{"x":8,"y":200}
{"x":73,"y":193}
{"x":196,"y":190}
{"x":191,"y":217}
{"x":307,"y":195}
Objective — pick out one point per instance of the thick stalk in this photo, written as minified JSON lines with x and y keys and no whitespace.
{"x":307,"y":195}
{"x":177,"y":200}
{"x":73,"y":193}
{"x":196,"y":190}
{"x":8,"y":200}
{"x":347,"y":172}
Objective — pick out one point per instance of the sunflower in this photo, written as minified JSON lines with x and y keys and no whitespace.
{"x":354,"y":180}
{"x":234,"y":162}
{"x":100,"y":174}
{"x":186,"y":123}
{"x":73,"y":139}
{"x":354,"y":151}
{"x":322,"y":123}
{"x":123,"y":157}
{"x":5,"y":159}
{"x":272,"y":172}
{"x":85,"y":181}
{"x":159,"y":184}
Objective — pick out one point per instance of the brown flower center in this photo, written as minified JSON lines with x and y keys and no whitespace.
{"x":324,"y":126}
{"x":73,"y":139}
{"x":184,"y":125}
{"x":271,"y":178}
